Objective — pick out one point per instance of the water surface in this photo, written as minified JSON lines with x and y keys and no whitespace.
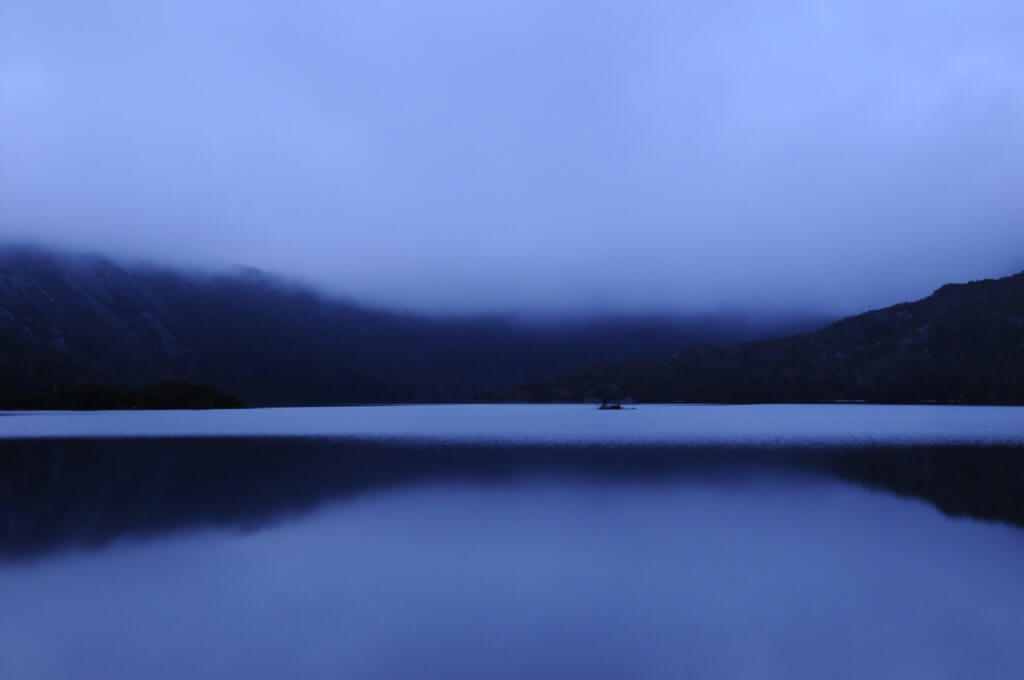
{"x":650,"y":423}
{"x":698,"y":542}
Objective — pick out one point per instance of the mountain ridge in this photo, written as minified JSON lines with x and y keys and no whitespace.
{"x":68,"y":320}
{"x":962,"y":344}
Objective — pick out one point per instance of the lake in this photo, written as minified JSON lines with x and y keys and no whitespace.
{"x":477,"y":541}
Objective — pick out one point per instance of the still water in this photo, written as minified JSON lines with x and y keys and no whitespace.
{"x":219,"y":556}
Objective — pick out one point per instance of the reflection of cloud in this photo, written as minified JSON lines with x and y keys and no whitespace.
{"x":760,"y":578}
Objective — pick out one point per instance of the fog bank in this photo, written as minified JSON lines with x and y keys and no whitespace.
{"x":518,"y":155}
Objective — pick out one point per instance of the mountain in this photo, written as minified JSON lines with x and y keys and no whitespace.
{"x":68,"y":320}
{"x":962,"y":344}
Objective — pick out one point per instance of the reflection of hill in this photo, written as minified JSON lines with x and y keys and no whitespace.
{"x":61,"y":493}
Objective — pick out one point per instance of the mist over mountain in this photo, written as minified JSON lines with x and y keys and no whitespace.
{"x":67,"y":320}
{"x":524,"y":154}
{"x":962,"y":344}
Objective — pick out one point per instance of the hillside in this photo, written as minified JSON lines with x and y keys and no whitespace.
{"x":962,"y":344}
{"x":66,"y":320}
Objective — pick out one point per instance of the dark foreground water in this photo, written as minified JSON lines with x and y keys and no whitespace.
{"x":334,"y":557}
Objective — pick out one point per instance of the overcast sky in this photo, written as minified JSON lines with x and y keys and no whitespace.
{"x":510,"y":154}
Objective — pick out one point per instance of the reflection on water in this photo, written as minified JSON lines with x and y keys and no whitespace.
{"x":728,"y":557}
{"x":56,"y":493}
{"x":755,"y":575}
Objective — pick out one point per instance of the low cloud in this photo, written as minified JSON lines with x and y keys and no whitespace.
{"x":520,"y":155}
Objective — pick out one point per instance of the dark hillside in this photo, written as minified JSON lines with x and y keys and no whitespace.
{"x":68,"y":320}
{"x":962,"y":344}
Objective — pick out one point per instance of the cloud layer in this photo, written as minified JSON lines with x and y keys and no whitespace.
{"x":526,"y":154}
